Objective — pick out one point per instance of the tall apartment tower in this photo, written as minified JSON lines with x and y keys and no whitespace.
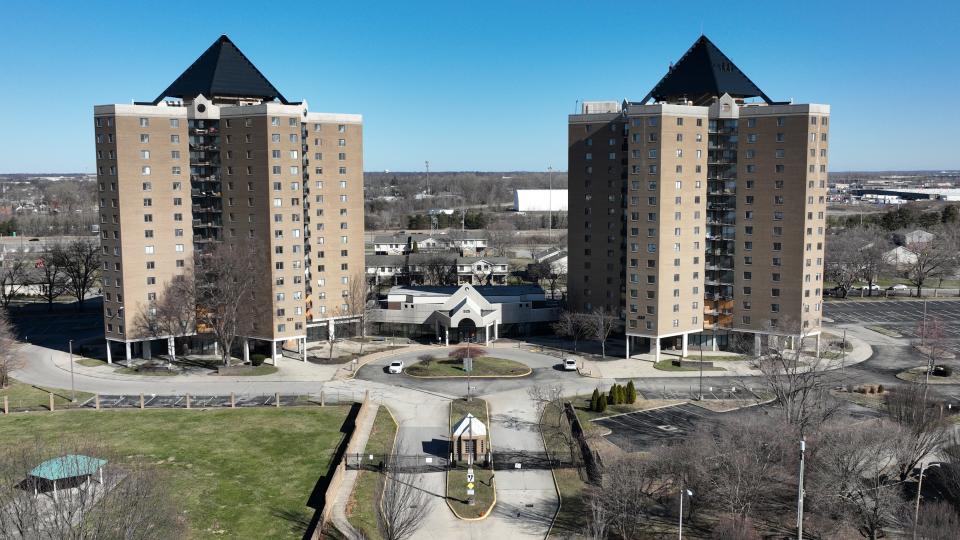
{"x":698,"y":213}
{"x":222,"y":156}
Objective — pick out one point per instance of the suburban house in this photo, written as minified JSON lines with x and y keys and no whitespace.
{"x":900,"y":257}
{"x":436,"y":268}
{"x":465,"y":243}
{"x":465,"y":312}
{"x":917,"y":237}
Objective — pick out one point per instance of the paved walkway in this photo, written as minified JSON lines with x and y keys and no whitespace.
{"x":357,"y":443}
{"x":640,"y":366}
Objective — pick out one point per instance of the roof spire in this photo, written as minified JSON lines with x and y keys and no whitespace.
{"x":222,"y":71}
{"x":702,"y":73}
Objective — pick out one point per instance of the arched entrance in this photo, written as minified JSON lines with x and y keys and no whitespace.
{"x":467,"y":329}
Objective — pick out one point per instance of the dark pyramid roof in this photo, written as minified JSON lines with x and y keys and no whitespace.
{"x":222,"y":70}
{"x":704,"y":71}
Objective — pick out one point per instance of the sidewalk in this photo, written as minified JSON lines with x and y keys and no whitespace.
{"x":357,"y":443}
{"x":641,"y":365}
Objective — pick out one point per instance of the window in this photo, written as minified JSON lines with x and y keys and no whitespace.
{"x":148,"y":250}
{"x":144,"y":138}
{"x":145,"y":171}
{"x":144,"y":122}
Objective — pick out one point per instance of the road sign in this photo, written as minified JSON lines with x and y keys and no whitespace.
{"x":468,"y":364}
{"x":470,"y":485}
{"x":470,"y":492}
{"x":470,"y":477}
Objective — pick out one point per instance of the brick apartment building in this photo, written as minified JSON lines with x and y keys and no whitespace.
{"x":697,"y":214}
{"x":222,"y":156}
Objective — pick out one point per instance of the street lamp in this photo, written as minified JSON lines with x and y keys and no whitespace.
{"x":73,"y":391}
{"x":689,"y":494}
{"x":916,"y":510}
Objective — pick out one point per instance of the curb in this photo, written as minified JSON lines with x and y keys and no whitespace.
{"x":553,"y":475}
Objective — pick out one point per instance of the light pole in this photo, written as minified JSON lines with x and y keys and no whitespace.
{"x":803,"y":449}
{"x":73,"y":392}
{"x":427,"y":163}
{"x":689,"y":494}
{"x":843,"y":351}
{"x":550,"y":203}
{"x":916,"y":509}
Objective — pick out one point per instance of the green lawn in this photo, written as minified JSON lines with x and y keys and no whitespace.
{"x":237,"y":473}
{"x":25,"y":396}
{"x":668,"y":365}
{"x":146,"y":372}
{"x":91,"y":362}
{"x":484,"y":487}
{"x":485,"y":366}
{"x":361,"y":510}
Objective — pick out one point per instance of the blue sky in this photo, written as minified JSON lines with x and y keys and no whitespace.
{"x":486,"y":85}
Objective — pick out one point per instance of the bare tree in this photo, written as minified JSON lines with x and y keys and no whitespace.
{"x":438,"y":270}
{"x":80,"y":262}
{"x":843,"y":264}
{"x":357,"y":304}
{"x":871,"y":257}
{"x":930,"y":259}
{"x":9,"y":357}
{"x":799,"y":384}
{"x":501,"y":234}
{"x":224,"y":280}
{"x":173,"y":314}
{"x":933,"y":343}
{"x":403,"y":501}
{"x":49,"y":275}
{"x":571,"y":325}
{"x":920,"y":416}
{"x":849,"y":477}
{"x":601,"y":324}
{"x":13,"y":277}
{"x":133,"y":502}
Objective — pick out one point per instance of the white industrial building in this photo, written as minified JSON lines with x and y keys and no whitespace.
{"x":540,"y":200}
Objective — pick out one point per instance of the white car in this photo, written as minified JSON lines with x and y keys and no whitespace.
{"x":569,"y":364}
{"x":396,"y":366}
{"x":898,"y":287}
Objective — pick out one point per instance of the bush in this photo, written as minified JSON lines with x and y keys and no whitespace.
{"x":942,"y":371}
{"x":595,"y":400}
{"x":850,"y":388}
{"x":257,"y":359}
{"x":602,"y":405}
{"x":879,"y":388}
{"x":425,"y":359}
{"x":870,"y":389}
{"x":612,"y":396}
{"x":631,"y":393}
{"x":734,"y":528}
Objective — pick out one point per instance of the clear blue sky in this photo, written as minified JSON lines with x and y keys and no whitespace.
{"x":486,"y":85}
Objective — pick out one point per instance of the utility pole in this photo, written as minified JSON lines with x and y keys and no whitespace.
{"x":427,"y":163}
{"x":550,"y":204}
{"x":843,"y":350}
{"x":73,"y":391}
{"x":803,"y":449}
{"x":916,"y":509}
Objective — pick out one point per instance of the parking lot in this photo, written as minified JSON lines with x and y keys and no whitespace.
{"x":642,"y":430}
{"x":904,"y":316}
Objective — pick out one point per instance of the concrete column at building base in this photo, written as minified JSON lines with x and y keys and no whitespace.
{"x":146,"y":351}
{"x":303,"y":348}
{"x":171,"y":348}
{"x":818,"y":345}
{"x":273,"y":352}
{"x":129,"y":354}
{"x":109,"y":354}
{"x":756,"y":345}
{"x":683,"y":345}
{"x":656,"y":349}
{"x":628,"y":348}
{"x":246,"y":351}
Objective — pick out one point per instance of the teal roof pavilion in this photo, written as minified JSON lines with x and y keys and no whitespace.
{"x":68,"y":466}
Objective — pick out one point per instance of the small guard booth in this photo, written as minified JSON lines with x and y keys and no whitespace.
{"x":69,"y":471}
{"x":470,"y":439}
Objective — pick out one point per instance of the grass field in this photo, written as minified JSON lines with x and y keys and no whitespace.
{"x":362,"y":510}
{"x":484,"y":487}
{"x":485,"y":366}
{"x":236,"y":473}
{"x":25,"y":396}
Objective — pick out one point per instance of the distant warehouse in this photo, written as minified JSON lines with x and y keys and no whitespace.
{"x":540,"y":200}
